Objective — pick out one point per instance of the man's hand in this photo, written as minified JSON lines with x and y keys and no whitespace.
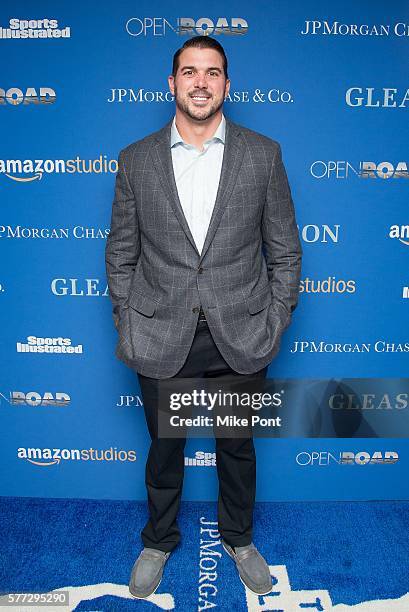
{"x":281,"y":242}
{"x":123,"y":243}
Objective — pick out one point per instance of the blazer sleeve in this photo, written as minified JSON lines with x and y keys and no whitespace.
{"x":123,"y":244}
{"x":281,"y":242}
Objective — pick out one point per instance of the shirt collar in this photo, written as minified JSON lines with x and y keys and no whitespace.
{"x":220,"y":133}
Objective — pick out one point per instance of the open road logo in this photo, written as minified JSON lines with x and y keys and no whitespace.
{"x":35,"y":399}
{"x":203,"y":26}
{"x":343,"y":169}
{"x":30,"y":95}
{"x":346,"y":458}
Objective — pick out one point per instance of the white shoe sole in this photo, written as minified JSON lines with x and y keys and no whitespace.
{"x":246,"y":585}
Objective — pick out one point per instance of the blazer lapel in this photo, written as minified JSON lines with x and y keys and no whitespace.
{"x":232,"y":159}
{"x":234,"y":148}
{"x":162,"y":159}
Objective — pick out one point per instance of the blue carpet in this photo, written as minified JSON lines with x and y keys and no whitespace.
{"x":323,"y":555}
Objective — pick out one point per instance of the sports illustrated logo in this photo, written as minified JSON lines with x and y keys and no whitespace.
{"x":141,"y":95}
{"x":88,"y":287}
{"x":48,"y":345}
{"x":380,"y":346}
{"x":79,"y":232}
{"x":346,"y":458}
{"x":368,"y":401}
{"x":400,"y":232}
{"x":328,"y":285}
{"x":53,"y":456}
{"x":204,"y":26}
{"x":35,"y":399}
{"x":129,"y":401}
{"x":201,"y":459}
{"x":16,"y":96}
{"x":387,"y":97}
{"x":334,"y":28}
{"x":320,"y":169}
{"x":34,"y":28}
{"x":36,"y":168}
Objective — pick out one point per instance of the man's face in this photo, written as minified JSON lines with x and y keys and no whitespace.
{"x":200,"y":85}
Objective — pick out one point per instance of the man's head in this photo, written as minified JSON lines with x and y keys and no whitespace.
{"x":199,"y":79}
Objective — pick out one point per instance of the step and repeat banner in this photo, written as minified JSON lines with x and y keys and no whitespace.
{"x":79,"y":82}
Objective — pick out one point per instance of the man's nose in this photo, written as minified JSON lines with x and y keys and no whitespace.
{"x":201,"y":80}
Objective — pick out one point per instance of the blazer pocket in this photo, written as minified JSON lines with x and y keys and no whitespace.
{"x":142,"y":304}
{"x":261,"y":300}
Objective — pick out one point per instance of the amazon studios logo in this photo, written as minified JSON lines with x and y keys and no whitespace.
{"x":35,"y":169}
{"x":53,"y":456}
{"x":400,"y":232}
{"x":204,"y":26}
{"x":321,"y":458}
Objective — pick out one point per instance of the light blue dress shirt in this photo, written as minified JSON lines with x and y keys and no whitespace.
{"x":197,"y":175}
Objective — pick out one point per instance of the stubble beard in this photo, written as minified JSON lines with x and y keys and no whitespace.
{"x":198,"y":114}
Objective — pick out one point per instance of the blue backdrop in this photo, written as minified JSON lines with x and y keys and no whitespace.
{"x":83,"y":80}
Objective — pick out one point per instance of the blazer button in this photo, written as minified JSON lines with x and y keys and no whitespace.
{"x":200,"y":271}
{"x":196,"y":309}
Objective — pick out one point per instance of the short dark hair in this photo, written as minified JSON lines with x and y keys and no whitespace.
{"x":200,"y":42}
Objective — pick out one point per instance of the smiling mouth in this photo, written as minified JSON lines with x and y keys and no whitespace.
{"x":200,"y":98}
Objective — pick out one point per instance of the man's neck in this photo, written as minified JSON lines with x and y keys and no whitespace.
{"x":196,"y":132}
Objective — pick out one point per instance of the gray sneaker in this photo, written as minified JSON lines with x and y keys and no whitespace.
{"x":252,"y":567}
{"x":147,"y":572}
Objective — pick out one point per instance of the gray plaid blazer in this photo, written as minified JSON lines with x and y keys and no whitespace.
{"x":246,"y":279}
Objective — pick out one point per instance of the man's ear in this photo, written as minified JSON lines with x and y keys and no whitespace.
{"x":171,"y":83}
{"x":227,"y":88}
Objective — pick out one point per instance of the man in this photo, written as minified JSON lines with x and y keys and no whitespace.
{"x":203,"y":264}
